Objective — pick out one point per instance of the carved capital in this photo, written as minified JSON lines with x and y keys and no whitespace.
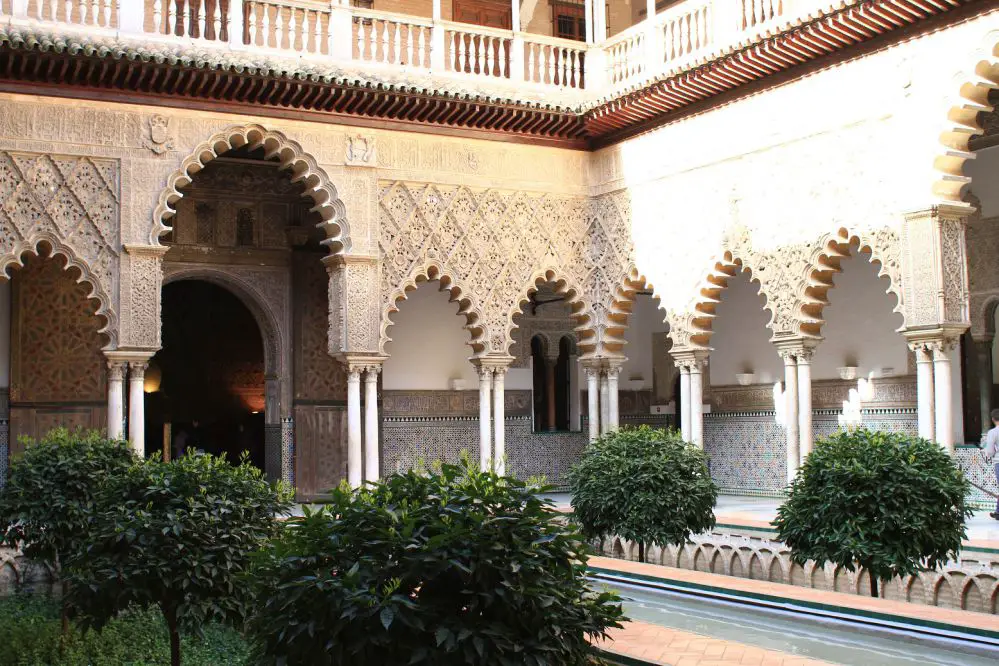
{"x":116,"y":371}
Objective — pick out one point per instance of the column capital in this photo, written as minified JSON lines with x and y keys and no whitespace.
{"x":338,"y":261}
{"x":689,"y":359}
{"x":129,"y":356}
{"x":495,"y":364}
{"x":801,"y":349}
{"x":362,"y":362}
{"x":930,"y":338}
{"x":116,"y":371}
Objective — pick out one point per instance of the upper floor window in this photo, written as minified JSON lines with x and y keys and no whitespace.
{"x":569,"y":19}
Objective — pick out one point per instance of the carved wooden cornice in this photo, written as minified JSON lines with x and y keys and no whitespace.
{"x":37,"y":63}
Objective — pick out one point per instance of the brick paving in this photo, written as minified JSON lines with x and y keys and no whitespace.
{"x":661,"y":645}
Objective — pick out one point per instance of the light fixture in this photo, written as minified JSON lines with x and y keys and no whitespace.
{"x":153,"y":378}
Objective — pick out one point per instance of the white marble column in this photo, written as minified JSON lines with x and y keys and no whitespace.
{"x":605,"y":425}
{"x":592,"y":401}
{"x":372,"y":466}
{"x":943,"y":402}
{"x":791,"y":398}
{"x":588,"y":18}
{"x":5,"y":319}
{"x":613,"y":408}
{"x":116,"y":405}
{"x":683,"y":413}
{"x":137,"y":407}
{"x":355,"y":471}
{"x":924,"y":391}
{"x":499,"y":420}
{"x":805,"y":435}
{"x":696,"y":403}
{"x":515,"y":15}
{"x":485,"y":422}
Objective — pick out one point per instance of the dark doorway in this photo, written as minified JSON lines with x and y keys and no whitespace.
{"x":210,"y":374}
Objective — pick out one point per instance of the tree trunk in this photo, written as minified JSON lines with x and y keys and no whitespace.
{"x":171,"y":619}
{"x":874,"y":583}
{"x":641,"y":551}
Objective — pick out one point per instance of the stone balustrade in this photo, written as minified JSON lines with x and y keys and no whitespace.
{"x":508,"y":62}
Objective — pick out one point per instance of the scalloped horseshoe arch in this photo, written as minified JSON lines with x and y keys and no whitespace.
{"x":31,"y":246}
{"x":693,"y":329}
{"x":474,"y":321}
{"x":826,"y":264}
{"x":973,"y":86}
{"x":581,"y":311}
{"x":619,"y":313}
{"x":303,"y":168}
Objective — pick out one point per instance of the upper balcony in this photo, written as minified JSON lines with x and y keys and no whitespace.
{"x":513,"y":59}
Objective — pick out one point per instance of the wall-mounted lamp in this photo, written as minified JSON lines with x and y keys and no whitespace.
{"x":152,"y":379}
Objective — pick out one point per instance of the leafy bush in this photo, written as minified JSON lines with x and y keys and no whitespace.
{"x":886,"y":502}
{"x":645,"y":485}
{"x":449,"y":568}
{"x":177,"y":536}
{"x":51,"y":492}
{"x":30,"y":636}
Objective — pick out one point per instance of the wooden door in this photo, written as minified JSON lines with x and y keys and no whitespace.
{"x":490,"y":13}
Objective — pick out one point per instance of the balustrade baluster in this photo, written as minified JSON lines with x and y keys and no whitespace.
{"x":217,"y":20}
{"x":107,"y":13}
{"x":280,"y":28}
{"x":360,"y":38}
{"x":386,"y":41}
{"x":529,"y":62}
{"x":67,"y":10}
{"x":490,"y":46}
{"x":292,"y":29}
{"x":397,"y":57}
{"x":317,"y":32}
{"x":251,"y":20}
{"x":459,"y":40}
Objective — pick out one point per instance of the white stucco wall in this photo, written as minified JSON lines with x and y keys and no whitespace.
{"x":646,"y":319}
{"x":741,"y":340}
{"x":984,"y":173}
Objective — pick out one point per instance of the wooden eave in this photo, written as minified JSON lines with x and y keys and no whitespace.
{"x":113,"y":76}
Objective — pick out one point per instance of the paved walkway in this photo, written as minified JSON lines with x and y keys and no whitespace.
{"x":660,"y":645}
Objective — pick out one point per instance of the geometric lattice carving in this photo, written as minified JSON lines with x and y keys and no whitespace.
{"x":56,"y":346}
{"x":318,"y":376}
{"x":70,"y":204}
{"x":494,"y":248}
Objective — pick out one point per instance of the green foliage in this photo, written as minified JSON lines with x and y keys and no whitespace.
{"x":30,"y":636}
{"x":447,"y":568}
{"x":889,"y":503}
{"x":51,"y":489}
{"x":178,"y":536}
{"x":645,"y":485}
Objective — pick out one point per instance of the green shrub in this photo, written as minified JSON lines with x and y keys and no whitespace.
{"x":449,"y":568}
{"x":50,"y":494}
{"x":886,"y":502}
{"x":30,"y":636}
{"x":177,"y":536}
{"x":645,"y":485}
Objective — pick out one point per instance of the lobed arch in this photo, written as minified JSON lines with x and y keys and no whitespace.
{"x":825,"y":262}
{"x":963,"y":120}
{"x":581,"y":312}
{"x":44,"y":240}
{"x":620,"y":310}
{"x":292,"y":157}
{"x":694,"y":328}
{"x":467,"y":306}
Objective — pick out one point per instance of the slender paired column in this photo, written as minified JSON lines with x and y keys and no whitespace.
{"x":137,"y":406}
{"x":805,"y":435}
{"x":791,"y":398}
{"x":485,"y":423}
{"x":942,"y":393}
{"x":925,"y":391}
{"x":592,"y":400}
{"x":355,"y":471}
{"x":116,"y":407}
{"x":684,"y":411}
{"x":372,"y":466}
{"x":695,"y":407}
{"x":983,"y":347}
{"x":605,"y":425}
{"x":613,"y":372}
{"x":499,"y":419}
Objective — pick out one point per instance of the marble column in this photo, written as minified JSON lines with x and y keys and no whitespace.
{"x":805,"y":435}
{"x":355,"y":471}
{"x":116,"y":406}
{"x":983,"y":347}
{"x":550,"y":364}
{"x":791,"y":398}
{"x":485,"y":422}
{"x":924,"y":391}
{"x":372,"y":466}
{"x":605,"y":425}
{"x":499,"y":420}
{"x":683,"y":413}
{"x":944,"y":408}
{"x":613,"y":408}
{"x":695,"y":406}
{"x":137,"y":407}
{"x":592,"y":401}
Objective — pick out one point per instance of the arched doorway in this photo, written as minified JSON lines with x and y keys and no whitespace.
{"x":207,"y":382}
